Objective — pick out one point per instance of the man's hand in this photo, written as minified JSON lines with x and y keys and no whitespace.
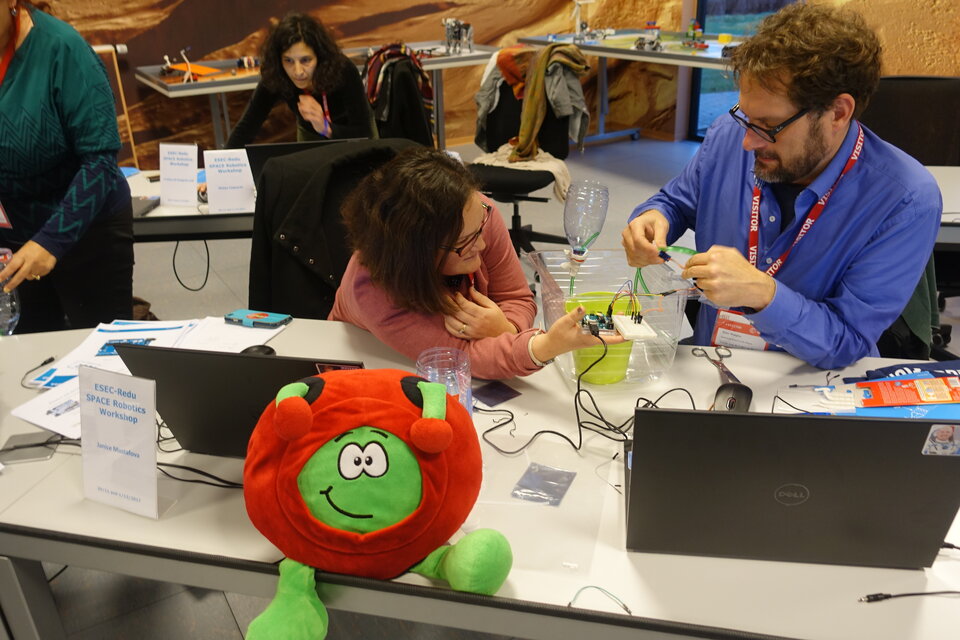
{"x":477,"y":318}
{"x":643,"y":237}
{"x":729,"y":280}
{"x":31,"y":262}
{"x":312,"y":112}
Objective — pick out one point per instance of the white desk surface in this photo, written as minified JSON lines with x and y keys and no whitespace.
{"x":948,"y":179}
{"x":205,"y":538}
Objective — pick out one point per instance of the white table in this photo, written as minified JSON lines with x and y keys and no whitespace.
{"x":206,"y":540}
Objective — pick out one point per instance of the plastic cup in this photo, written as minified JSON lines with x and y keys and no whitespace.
{"x":450,"y":367}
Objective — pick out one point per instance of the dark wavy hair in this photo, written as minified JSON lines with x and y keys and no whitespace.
{"x":294,"y":28}
{"x":815,"y":52}
{"x":399,"y":217}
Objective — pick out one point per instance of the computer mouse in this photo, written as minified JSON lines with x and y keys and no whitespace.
{"x":733,"y":396}
{"x":260,"y":350}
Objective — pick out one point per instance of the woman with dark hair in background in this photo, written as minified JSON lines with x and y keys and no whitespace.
{"x":433,"y":266}
{"x":302,"y":65}
{"x":64,"y":204}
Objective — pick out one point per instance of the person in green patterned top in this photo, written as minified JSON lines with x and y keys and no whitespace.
{"x":64,"y":204}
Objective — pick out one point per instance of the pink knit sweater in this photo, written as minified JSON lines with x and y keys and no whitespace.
{"x":359,"y":301}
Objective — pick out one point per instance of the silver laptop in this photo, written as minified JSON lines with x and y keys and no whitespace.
{"x":803,"y":488}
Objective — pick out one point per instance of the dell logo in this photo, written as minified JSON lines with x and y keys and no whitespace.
{"x":791,"y":495}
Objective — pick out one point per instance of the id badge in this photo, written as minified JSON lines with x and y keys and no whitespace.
{"x":4,"y":220}
{"x":733,"y":329}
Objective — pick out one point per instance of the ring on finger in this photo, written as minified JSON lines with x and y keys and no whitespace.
{"x":463,"y":328}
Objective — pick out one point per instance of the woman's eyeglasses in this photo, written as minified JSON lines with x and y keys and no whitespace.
{"x":767,"y":134}
{"x":469,"y":242}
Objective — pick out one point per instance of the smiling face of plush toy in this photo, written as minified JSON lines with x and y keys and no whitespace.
{"x":346,"y":482}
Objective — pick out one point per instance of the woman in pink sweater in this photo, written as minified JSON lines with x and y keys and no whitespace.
{"x":433,"y":266}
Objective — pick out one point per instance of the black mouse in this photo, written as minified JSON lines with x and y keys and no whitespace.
{"x":733,"y":396}
{"x":260,"y":350}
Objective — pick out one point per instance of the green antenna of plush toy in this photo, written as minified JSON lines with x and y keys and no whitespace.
{"x":434,"y":399}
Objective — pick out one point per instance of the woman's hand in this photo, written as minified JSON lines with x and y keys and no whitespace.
{"x":31,"y":262}
{"x":480,"y":317}
{"x":566,"y":334}
{"x":312,"y":112}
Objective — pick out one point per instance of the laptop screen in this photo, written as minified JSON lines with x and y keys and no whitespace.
{"x":258,"y":154}
{"x":211,"y":400}
{"x":828,"y":489}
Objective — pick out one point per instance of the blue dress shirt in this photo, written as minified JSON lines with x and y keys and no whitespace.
{"x":850,"y":276}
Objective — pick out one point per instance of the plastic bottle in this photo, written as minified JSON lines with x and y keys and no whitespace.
{"x":9,"y":302}
{"x":583,"y":215}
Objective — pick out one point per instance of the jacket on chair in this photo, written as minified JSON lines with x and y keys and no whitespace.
{"x":299,"y":249}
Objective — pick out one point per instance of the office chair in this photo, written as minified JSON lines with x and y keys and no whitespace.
{"x":299,"y":250}
{"x":513,"y":186}
{"x":918,"y":114}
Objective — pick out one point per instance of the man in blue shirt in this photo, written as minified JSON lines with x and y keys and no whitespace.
{"x":812,"y":233}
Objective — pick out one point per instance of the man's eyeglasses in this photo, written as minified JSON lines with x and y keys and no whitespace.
{"x":469,"y":242}
{"x":767,"y":134}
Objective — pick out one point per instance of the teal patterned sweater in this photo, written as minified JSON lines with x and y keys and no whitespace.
{"x":58,"y":140}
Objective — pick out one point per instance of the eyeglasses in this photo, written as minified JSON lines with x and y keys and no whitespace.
{"x":469,"y":242}
{"x":767,"y":134}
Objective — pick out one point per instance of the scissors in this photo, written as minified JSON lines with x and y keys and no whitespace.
{"x":722,"y":353}
{"x":732,"y":395}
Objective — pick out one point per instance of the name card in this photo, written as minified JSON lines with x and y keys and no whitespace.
{"x":178,"y":175}
{"x":118,"y":440}
{"x":230,"y":187}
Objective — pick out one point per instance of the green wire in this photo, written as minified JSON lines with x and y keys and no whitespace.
{"x":639,"y":276}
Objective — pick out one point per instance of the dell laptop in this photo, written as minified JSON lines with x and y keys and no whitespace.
{"x":804,"y":488}
{"x":211,"y":400}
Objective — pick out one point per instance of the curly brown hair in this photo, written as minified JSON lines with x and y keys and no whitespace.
{"x":815,"y":52}
{"x":294,"y":28}
{"x":399,"y":217}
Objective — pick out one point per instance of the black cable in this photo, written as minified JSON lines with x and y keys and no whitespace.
{"x":50,"y":442}
{"x":655,"y":404}
{"x":57,"y":574}
{"x":29,"y":371}
{"x":794,"y":407}
{"x":947,"y":545}
{"x":877,"y":597}
{"x":220,"y":482}
{"x":206,"y":274}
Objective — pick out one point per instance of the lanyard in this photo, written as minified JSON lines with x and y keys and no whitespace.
{"x":11,"y":47}
{"x":812,"y":216}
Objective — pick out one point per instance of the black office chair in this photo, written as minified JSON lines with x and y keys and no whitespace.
{"x":513,"y":186}
{"x":918,"y":114}
{"x":299,"y":250}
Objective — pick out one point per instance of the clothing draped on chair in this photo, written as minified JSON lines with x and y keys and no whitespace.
{"x":400,"y":93}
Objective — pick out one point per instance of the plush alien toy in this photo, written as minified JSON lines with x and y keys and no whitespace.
{"x":368,"y":473}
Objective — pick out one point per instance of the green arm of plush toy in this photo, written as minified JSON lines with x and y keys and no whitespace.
{"x":478,"y":563}
{"x":295,"y":613}
{"x":294,"y":389}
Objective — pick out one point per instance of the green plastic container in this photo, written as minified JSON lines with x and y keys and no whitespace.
{"x":613,"y":367}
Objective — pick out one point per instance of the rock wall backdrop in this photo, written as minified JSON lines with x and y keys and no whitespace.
{"x":919,"y":36}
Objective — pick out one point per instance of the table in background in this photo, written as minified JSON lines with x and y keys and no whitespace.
{"x":206,"y":540}
{"x":219,"y":86}
{"x":166,"y":224}
{"x":620,"y":47}
{"x":948,"y":179}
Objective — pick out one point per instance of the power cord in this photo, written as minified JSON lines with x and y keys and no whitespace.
{"x":604,"y":592}
{"x":877,"y":597}
{"x":23,"y":378}
{"x":206,"y":274}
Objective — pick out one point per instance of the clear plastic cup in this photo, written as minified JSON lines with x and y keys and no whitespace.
{"x":450,"y":367}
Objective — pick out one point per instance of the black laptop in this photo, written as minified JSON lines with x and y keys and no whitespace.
{"x":803,"y":488}
{"x":211,"y":400}
{"x":258,"y":154}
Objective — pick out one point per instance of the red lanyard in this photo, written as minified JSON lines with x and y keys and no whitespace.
{"x":812,"y":216}
{"x":11,"y":47}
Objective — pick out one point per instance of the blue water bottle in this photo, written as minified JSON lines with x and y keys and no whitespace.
{"x":9,"y":302}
